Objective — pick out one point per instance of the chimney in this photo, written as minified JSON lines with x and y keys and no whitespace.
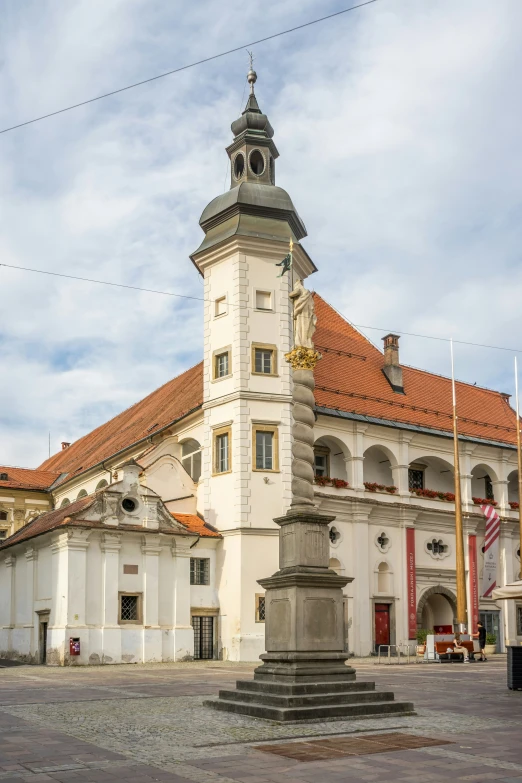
{"x":392,"y":369}
{"x":65,"y":445}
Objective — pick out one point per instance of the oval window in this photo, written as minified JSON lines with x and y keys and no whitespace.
{"x":239,"y":166}
{"x":257,"y":163}
{"x":129,"y":505}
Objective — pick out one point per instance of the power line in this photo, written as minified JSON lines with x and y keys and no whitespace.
{"x":191,"y":65}
{"x":246,"y":307}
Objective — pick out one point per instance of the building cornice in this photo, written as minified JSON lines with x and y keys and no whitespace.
{"x":242,"y":394}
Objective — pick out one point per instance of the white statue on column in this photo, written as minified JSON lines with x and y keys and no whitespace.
{"x":305,"y":318}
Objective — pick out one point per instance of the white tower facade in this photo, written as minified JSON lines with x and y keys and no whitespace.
{"x":247,"y":383}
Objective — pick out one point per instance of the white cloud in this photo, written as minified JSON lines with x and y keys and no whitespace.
{"x":398,"y":127}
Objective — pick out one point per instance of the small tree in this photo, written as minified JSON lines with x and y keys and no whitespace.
{"x":421,"y":634}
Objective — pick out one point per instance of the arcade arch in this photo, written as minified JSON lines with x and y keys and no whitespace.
{"x":330,"y":455}
{"x":482,"y":478}
{"x":377,"y":465}
{"x":437,"y":608}
{"x":431,"y":473}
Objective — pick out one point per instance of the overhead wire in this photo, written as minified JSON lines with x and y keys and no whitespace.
{"x":190,"y":65}
{"x":247,"y":307}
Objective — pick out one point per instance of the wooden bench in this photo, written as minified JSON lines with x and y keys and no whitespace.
{"x":442,"y":647}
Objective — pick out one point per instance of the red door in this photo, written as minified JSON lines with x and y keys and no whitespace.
{"x":382,"y":624}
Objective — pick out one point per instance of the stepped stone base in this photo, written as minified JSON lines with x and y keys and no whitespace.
{"x":324,"y":698}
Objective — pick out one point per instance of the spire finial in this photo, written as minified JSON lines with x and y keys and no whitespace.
{"x":251,"y":75}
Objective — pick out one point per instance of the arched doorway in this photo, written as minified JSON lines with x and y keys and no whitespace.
{"x":437,"y":609}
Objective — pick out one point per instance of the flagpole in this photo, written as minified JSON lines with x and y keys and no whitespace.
{"x":459,"y":534}
{"x":519,"y":455}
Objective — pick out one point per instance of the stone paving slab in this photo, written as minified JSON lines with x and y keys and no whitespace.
{"x":142,"y":723}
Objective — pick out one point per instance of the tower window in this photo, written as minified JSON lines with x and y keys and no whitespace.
{"x":263,"y":300}
{"x":3,"y":516}
{"x":239,"y":166}
{"x":271,"y":165}
{"x":265,"y":447}
{"x":222,"y":440}
{"x":220,"y":306}
{"x":257,"y":162}
{"x":264,"y":359}
{"x":221,"y":364}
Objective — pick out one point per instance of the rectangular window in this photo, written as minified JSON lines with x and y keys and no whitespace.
{"x":488,"y":488}
{"x":264,"y":450}
{"x":263,"y":300}
{"x":130,"y":608}
{"x":220,"y":306}
{"x":321,"y":462}
{"x":221,"y":365}
{"x":263,"y":361}
{"x":222,"y":452}
{"x":3,"y":534}
{"x":265,"y":443}
{"x":260,"y":608}
{"x":415,"y":479}
{"x":199,"y":571}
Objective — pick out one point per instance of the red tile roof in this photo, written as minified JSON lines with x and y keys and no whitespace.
{"x":196,"y":525}
{"x":25,"y":478}
{"x":49,"y":521}
{"x":164,"y":406}
{"x":349,"y":378}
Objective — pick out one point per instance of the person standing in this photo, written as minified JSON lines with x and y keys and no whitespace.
{"x":481,"y":636}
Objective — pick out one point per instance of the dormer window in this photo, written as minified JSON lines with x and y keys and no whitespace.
{"x":4,"y":477}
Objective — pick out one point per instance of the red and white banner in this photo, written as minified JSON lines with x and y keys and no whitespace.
{"x":473,"y":584}
{"x":491,"y":541}
{"x":412,"y":588}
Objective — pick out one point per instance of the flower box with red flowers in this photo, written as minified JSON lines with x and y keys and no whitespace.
{"x":372,"y":486}
{"x":434,"y":494}
{"x":326,"y":481}
{"x":514,"y":505}
{"x":484,"y":502}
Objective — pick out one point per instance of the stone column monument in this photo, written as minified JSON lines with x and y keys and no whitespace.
{"x":303,"y":675}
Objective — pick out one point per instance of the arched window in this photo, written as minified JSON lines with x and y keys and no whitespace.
{"x":65,"y":502}
{"x":81,"y":494}
{"x":191,"y":458}
{"x":101,"y":484}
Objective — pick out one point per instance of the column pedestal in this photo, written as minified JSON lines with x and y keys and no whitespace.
{"x":303,"y":675}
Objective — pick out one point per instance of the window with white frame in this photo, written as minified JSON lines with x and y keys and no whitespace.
{"x":265,"y":447}
{"x":222,"y":441}
{"x":199,"y":571}
{"x":264,"y":359}
{"x":221,"y":365}
{"x":191,"y":458}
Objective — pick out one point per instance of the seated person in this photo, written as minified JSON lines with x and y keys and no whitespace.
{"x":459,"y":649}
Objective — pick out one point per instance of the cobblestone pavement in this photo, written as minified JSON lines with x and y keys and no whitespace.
{"x":147,"y":723}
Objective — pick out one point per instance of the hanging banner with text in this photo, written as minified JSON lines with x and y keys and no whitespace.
{"x":473,"y":584}
{"x":412,"y":588}
{"x":491,"y":541}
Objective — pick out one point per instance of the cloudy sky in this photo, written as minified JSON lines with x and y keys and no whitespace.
{"x":399,"y":131}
